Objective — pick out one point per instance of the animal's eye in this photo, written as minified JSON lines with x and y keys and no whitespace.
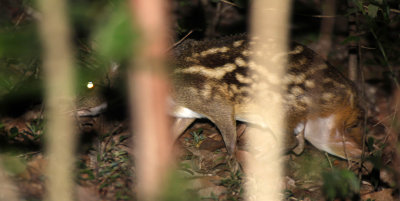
{"x":353,"y":125}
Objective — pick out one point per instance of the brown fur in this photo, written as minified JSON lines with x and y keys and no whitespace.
{"x":213,"y":77}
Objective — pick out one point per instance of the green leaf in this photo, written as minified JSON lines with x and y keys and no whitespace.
{"x":22,"y":43}
{"x":370,"y":144}
{"x":351,"y":39}
{"x":359,"y":5}
{"x":341,"y":184}
{"x":14,"y":132}
{"x":116,"y":36}
{"x":123,"y":137}
{"x":372,"y":10}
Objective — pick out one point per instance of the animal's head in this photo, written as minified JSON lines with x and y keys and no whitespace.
{"x":338,"y":132}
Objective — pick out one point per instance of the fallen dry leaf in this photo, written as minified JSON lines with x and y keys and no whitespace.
{"x":383,"y":195}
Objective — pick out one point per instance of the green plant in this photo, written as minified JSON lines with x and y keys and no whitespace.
{"x":339,"y":183}
{"x":198,"y":137}
{"x":234,"y":185}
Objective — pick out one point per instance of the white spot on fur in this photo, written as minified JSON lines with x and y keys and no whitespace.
{"x":243,"y":79}
{"x":297,"y":50}
{"x":296,"y":79}
{"x":327,"y":96}
{"x":297,"y":91}
{"x":191,"y":59}
{"x":240,"y":62}
{"x":300,"y":78}
{"x":238,"y":43}
{"x":216,"y":73}
{"x":317,"y":68}
{"x":246,"y":53}
{"x":306,"y":100}
{"x":214,"y":51}
{"x":206,"y":92}
{"x":309,"y":84}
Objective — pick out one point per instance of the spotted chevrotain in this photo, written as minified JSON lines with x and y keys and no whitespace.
{"x":212,"y":80}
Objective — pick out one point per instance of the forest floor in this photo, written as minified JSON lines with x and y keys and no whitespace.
{"x":105,"y":170}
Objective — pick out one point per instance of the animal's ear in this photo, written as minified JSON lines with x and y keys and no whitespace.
{"x":351,"y":99}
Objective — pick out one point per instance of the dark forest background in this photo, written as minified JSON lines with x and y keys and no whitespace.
{"x":101,"y":34}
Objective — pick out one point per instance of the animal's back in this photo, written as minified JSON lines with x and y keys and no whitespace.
{"x":213,"y":79}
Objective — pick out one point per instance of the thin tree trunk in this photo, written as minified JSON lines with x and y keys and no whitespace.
{"x":396,"y":155}
{"x":327,"y":26}
{"x":353,"y":50}
{"x":59,"y":100}
{"x":148,"y":86}
{"x":270,"y":24}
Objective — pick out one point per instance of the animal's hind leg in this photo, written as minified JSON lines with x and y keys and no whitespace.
{"x":225,"y":121}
